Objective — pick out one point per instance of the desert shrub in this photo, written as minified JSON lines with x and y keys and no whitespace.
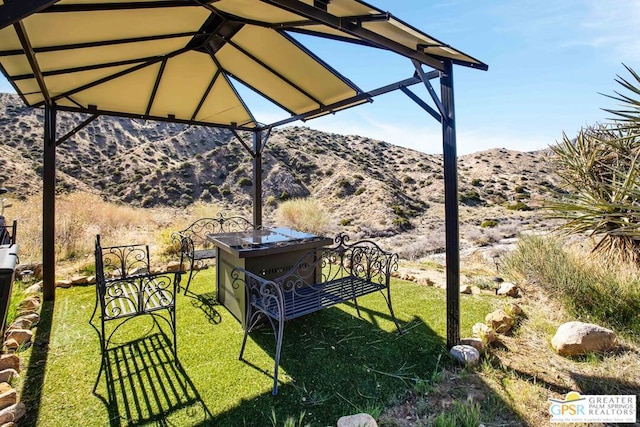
{"x":271,"y":201}
{"x":359,"y":191}
{"x":408,"y":180}
{"x":225,"y":191}
{"x":245,"y":182}
{"x":284,"y":196}
{"x":79,"y":217}
{"x":346,"y":222}
{"x":489,"y":223}
{"x":519,"y":206}
{"x":476,"y":182}
{"x":303,"y":214}
{"x":596,"y":289}
{"x":470,"y":198}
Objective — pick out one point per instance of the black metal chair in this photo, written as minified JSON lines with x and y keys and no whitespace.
{"x":126,"y":288}
{"x":195,"y":250}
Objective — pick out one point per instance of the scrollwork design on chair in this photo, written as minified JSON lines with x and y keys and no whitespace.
{"x":126,"y":288}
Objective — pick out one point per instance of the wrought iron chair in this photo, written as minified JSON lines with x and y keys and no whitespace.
{"x":195,"y":250}
{"x":126,"y":288}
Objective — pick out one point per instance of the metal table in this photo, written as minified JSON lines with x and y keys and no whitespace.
{"x":267,"y":252}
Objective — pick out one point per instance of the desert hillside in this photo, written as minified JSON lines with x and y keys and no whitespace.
{"x":369,"y":187}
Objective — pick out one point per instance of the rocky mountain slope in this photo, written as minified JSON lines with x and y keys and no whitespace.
{"x":367,"y":185}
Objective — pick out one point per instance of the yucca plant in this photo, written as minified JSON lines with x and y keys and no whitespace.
{"x":601,"y":177}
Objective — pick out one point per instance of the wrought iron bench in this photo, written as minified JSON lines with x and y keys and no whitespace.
{"x":196,"y":250}
{"x":318,"y":280}
{"x":126,"y":288}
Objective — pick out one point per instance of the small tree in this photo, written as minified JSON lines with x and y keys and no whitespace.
{"x":601,"y":176}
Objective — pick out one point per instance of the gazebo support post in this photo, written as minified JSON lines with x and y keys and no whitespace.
{"x":451,"y":206}
{"x":257,"y":178}
{"x":48,"y":203}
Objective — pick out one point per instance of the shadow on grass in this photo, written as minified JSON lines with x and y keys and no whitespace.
{"x":207,"y":302}
{"x":34,"y":377}
{"x":334,"y":363}
{"x":145,"y":384}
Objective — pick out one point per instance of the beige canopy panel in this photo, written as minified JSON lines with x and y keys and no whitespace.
{"x":178,"y":60}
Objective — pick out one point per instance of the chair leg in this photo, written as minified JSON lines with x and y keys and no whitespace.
{"x":103,"y":355}
{"x":186,"y":288}
{"x":277,"y":361}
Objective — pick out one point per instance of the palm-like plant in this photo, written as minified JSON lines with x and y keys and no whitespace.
{"x":601,"y":176}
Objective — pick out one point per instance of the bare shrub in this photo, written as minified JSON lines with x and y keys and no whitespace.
{"x":79,"y":217}
{"x":303,"y":214}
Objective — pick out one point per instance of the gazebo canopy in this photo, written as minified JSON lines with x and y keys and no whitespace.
{"x":177,"y":59}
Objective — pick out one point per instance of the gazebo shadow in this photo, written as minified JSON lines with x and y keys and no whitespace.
{"x":334,"y":363}
{"x":144,"y":384}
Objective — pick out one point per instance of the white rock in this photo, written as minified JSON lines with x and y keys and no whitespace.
{"x":465,"y":354}
{"x":508,"y":289}
{"x":476,"y":343}
{"x":357,"y":420}
{"x":574,"y":338}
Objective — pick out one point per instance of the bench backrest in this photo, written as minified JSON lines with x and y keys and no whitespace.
{"x":363,"y":259}
{"x":195,"y":236}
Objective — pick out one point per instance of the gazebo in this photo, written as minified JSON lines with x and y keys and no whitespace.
{"x":177,"y":61}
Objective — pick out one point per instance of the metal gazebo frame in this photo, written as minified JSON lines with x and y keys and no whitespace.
{"x":53,"y":67}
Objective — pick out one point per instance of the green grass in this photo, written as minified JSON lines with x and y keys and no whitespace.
{"x":333,"y":363}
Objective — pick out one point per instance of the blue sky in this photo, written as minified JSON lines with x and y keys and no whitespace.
{"x":549,"y":64}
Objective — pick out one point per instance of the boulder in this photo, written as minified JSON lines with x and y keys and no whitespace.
{"x":20,"y":323}
{"x":507,"y":289}
{"x":465,"y":354}
{"x":34,"y":289}
{"x":426,"y":281}
{"x":499,"y":321}
{"x":21,"y":336}
{"x":575,"y":338}
{"x":465,"y":289}
{"x":30,"y":303}
{"x":174,"y":266}
{"x":476,"y":290}
{"x":476,"y":343}
{"x":11,"y":361}
{"x":513,"y":309}
{"x":63,"y":283}
{"x":34,"y":318}
{"x":484,"y":332}
{"x":11,"y":345}
{"x":357,"y":420}
{"x":12,"y":413}
{"x":79,"y":280}
{"x":7,"y":375}
{"x":7,"y":398}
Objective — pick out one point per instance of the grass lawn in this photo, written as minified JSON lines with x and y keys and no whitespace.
{"x":333,"y":363}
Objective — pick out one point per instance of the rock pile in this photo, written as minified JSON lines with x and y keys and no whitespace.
{"x":17,"y":336}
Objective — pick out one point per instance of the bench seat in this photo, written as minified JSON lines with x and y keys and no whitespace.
{"x":320,"y":279}
{"x":310,"y":299}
